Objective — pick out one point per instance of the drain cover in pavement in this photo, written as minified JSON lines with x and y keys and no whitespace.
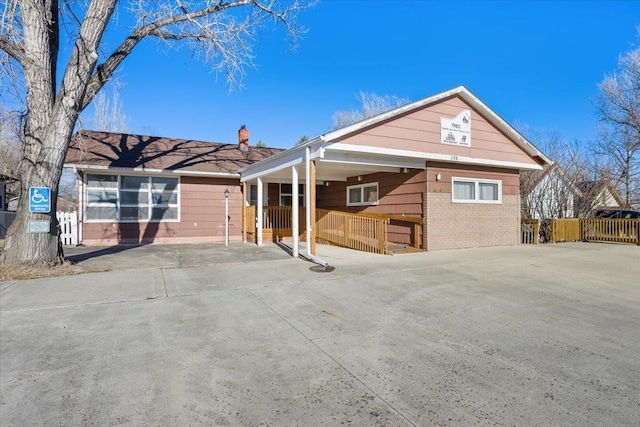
{"x":322,"y":269}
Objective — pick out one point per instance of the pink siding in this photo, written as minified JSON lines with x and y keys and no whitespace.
{"x":202,"y":208}
{"x":400,"y":194}
{"x":420,"y":131}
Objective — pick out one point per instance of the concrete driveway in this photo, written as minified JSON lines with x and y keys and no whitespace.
{"x":528,"y":335}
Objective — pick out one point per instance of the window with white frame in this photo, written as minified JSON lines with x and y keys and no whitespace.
{"x":286,"y":194}
{"x":131,"y":198}
{"x":466,"y":190}
{"x":252,"y":197}
{"x":364,"y":194}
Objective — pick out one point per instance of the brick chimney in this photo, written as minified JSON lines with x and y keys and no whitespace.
{"x":243,"y":138}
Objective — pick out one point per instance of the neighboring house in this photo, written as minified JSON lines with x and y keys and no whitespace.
{"x":142,"y":189}
{"x":600,"y":194}
{"x":548,"y":193}
{"x":66,"y":204}
{"x":6,"y":184}
{"x":6,"y":215}
{"x":448,"y":160}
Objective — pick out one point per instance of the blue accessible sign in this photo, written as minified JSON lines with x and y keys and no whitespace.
{"x":39,"y":199}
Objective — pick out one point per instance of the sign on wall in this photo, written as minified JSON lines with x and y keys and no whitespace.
{"x":39,"y":226}
{"x":456,"y":131}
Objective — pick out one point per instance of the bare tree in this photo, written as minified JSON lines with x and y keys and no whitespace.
{"x":551,"y":192}
{"x":31,"y":32}
{"x":619,"y":113}
{"x":10,"y":142}
{"x":371,"y":105}
{"x":109,"y":115}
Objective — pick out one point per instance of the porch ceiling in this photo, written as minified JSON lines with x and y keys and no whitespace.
{"x":339,"y":165}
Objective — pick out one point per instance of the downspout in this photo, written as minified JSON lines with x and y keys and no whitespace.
{"x":307,"y":195}
{"x":80,"y":183}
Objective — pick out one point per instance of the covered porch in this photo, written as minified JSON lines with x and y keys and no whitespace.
{"x":329,"y":209}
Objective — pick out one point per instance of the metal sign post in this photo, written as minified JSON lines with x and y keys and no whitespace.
{"x":226,"y":217}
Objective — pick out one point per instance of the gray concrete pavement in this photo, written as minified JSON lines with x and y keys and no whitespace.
{"x":529,"y":335}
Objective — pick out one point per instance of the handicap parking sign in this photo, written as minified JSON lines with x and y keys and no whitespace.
{"x":40,"y":199}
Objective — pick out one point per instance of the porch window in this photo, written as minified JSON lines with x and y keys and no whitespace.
{"x":252,"y":197}
{"x":467,"y":190}
{"x":286,"y":194}
{"x":131,"y":198}
{"x":360,"y":195}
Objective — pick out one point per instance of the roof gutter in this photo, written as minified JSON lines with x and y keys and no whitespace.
{"x":140,"y":171}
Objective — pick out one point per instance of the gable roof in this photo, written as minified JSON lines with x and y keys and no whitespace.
{"x":549,"y":170}
{"x":320,"y":146}
{"x":460,"y":91}
{"x":594,"y":189}
{"x":120,"y":151}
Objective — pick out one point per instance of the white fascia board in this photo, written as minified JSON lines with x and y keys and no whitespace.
{"x":429,"y":156}
{"x":264,"y":170}
{"x":144,"y":171}
{"x":465,"y":94}
{"x":291,"y":157}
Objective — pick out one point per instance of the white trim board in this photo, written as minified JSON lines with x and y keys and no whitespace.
{"x":338,"y":146}
{"x":145,"y":171}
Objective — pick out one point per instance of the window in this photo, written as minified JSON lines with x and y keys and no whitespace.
{"x":286,"y":194}
{"x":252,"y":197}
{"x":365,"y":194}
{"x":131,"y":198}
{"x":467,"y":190}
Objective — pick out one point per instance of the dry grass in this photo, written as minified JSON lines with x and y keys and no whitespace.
{"x":24,"y":273}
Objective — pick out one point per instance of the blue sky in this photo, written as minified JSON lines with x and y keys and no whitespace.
{"x":537,"y":63}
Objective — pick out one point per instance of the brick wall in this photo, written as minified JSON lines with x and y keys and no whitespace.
{"x":464,"y":225}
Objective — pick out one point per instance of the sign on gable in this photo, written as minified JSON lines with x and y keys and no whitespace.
{"x":456,"y":131}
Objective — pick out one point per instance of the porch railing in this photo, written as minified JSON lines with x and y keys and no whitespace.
{"x":276,"y":222}
{"x":354,"y":231}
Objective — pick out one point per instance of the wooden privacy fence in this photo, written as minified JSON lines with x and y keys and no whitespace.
{"x":530,"y":230}
{"x":351,"y":230}
{"x":565,"y":230}
{"x":596,"y":230}
{"x":68,"y":227}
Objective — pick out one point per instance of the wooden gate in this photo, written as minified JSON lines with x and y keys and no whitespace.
{"x":68,"y":227}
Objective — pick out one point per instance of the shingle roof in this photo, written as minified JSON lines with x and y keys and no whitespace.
{"x":142,"y":152}
{"x":594,"y":188}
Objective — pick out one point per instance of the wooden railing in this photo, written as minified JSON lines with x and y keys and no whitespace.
{"x":359,"y":231}
{"x":596,"y":230}
{"x":350,"y":230}
{"x":276,"y":222}
{"x":610,"y":230}
{"x":530,"y":230}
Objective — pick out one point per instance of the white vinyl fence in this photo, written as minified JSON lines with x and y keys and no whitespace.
{"x":68,"y":227}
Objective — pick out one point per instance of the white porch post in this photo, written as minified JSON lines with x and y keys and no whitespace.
{"x":259,"y":212}
{"x":294,"y":211}
{"x":307,"y":198}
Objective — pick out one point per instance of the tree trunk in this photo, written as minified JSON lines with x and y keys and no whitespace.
{"x":42,"y":249}
{"x":22,"y":247}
